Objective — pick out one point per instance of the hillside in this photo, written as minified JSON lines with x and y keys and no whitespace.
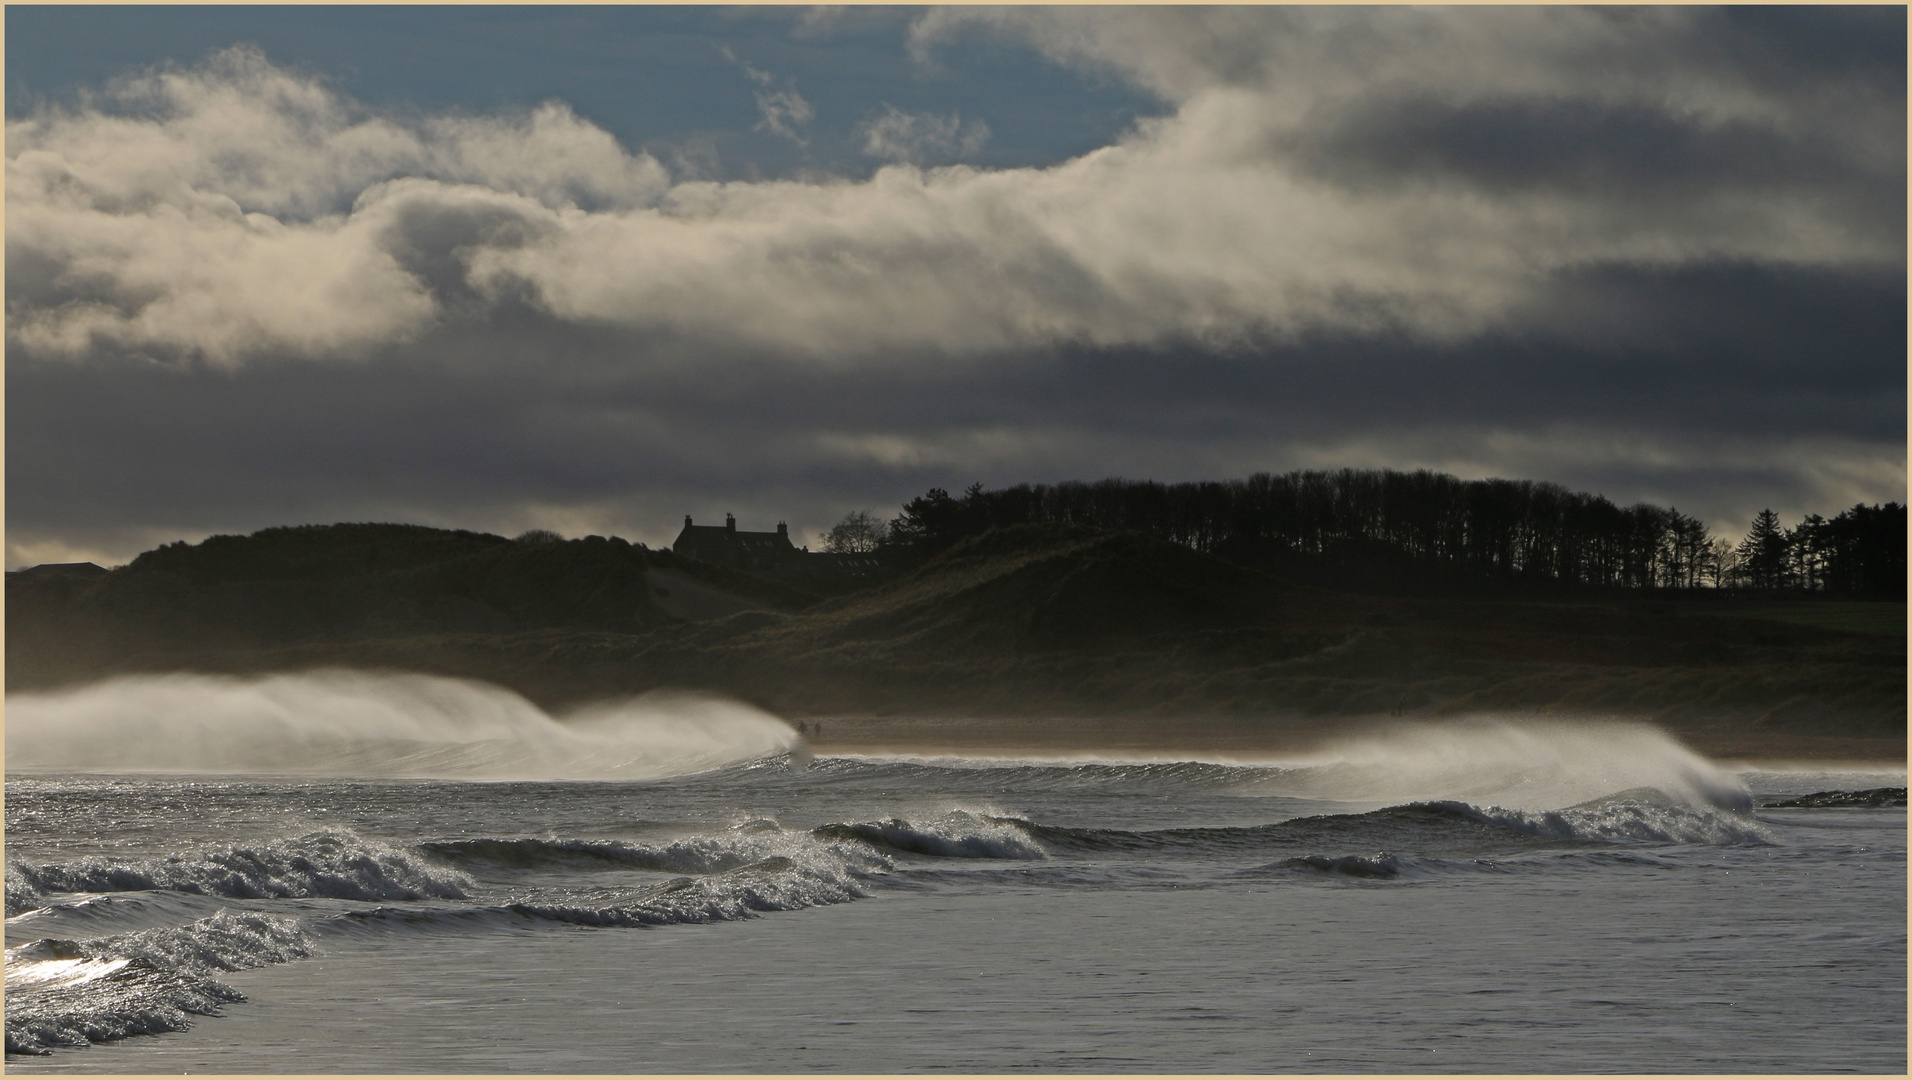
{"x":1029,"y":625}
{"x":231,"y":598}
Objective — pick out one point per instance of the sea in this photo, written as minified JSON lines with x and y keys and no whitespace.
{"x":344,"y":872}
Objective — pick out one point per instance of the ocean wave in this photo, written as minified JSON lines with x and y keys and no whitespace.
{"x":1386,"y":866}
{"x":1015,"y":774}
{"x":227,"y":941}
{"x":328,"y":864}
{"x":22,"y":895}
{"x":1445,"y":824}
{"x":99,"y":1001}
{"x":856,"y":845}
{"x":89,"y":916}
{"x":1869,"y":797}
{"x":1431,"y":828}
{"x":957,"y":835}
{"x":740,"y":846}
{"x":1393,"y":825}
{"x":1045,"y":875}
{"x":1382,"y":866}
{"x":701,"y":855}
{"x":1620,"y":820}
{"x":1485,"y":760}
{"x":71,"y":993}
{"x":777,"y":883}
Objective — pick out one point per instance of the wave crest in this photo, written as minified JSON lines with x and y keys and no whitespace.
{"x":1620,"y":819}
{"x":337,"y":865}
{"x":957,"y":835}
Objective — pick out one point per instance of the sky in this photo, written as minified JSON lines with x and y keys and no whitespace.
{"x":594,"y":269}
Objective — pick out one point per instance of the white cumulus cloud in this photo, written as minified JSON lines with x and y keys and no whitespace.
{"x":237,"y":210}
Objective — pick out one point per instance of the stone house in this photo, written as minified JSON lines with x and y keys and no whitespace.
{"x":726,"y":545}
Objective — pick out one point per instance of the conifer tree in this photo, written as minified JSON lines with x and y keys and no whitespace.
{"x":1763,"y":555}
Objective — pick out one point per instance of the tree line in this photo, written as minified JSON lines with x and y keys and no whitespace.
{"x":1379,"y":524}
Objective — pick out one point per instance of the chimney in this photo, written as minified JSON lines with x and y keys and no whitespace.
{"x":730,"y":523}
{"x":783,"y":530}
{"x":686,"y":521}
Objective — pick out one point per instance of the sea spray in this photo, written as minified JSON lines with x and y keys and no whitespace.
{"x":347,"y":723}
{"x":1518,"y":763}
{"x":1515,"y":764}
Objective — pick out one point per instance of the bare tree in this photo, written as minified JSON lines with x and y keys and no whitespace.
{"x":1721,"y":566}
{"x":860,"y":532}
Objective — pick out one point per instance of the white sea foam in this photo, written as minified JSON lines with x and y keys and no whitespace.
{"x":347,"y":723}
{"x":70,"y":993}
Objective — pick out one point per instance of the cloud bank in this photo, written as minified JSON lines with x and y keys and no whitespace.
{"x":1498,"y":231}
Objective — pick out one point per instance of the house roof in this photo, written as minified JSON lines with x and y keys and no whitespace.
{"x":706,"y":537}
{"x":55,"y":569}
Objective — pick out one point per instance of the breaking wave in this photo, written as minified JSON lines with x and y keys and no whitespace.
{"x":71,"y":993}
{"x":1622,"y":819}
{"x":336,"y":865}
{"x":1637,"y":817}
{"x":775,"y":884}
{"x":957,"y":835}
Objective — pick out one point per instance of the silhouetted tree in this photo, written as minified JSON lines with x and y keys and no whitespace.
{"x":1805,"y":551}
{"x":1764,"y":555}
{"x":858,"y":533}
{"x":1863,"y":552}
{"x":1722,"y":565}
{"x":1381,"y":525}
{"x":934,"y":521}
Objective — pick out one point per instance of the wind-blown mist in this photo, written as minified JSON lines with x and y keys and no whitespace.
{"x":342,"y":723}
{"x":1520,"y":765}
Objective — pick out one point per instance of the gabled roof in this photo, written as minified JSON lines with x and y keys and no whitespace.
{"x":61,"y":569}
{"x":719,"y":533}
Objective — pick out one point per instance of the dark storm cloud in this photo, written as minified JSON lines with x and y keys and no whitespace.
{"x":1655,"y":253}
{"x":1790,"y":46}
{"x":1635,"y":153}
{"x":473,"y":426}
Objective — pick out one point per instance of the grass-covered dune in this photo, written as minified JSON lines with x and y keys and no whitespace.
{"x":1031,"y":629}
